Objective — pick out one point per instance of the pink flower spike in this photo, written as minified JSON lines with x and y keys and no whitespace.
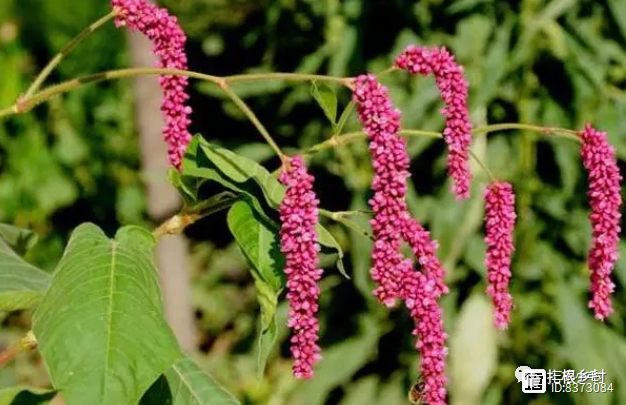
{"x":168,"y":44}
{"x":499,"y":225}
{"x":381,"y":121}
{"x":605,"y":199}
{"x":419,"y":295}
{"x":454,"y":91}
{"x":298,"y":240}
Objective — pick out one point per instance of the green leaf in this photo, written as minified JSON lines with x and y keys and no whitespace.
{"x":618,"y":8}
{"x":19,"y":239}
{"x":343,"y":119}
{"x":244,"y":176}
{"x":184,"y":383}
{"x":581,"y":331}
{"x":495,"y":65}
{"x":259,"y":242}
{"x":187,"y":187}
{"x":326,"y":98}
{"x":100,"y":327}
{"x":265,"y":344}
{"x":328,"y":242}
{"x":473,"y":351}
{"x":236,"y":173}
{"x":21,"y":284}
{"x":362,"y":392}
{"x":25,"y":396}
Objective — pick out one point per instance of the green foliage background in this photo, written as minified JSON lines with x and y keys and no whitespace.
{"x":553,"y":63}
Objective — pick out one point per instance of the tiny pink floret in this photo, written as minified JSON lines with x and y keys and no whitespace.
{"x":499,"y":226}
{"x":298,"y":242}
{"x":425,"y":250}
{"x":454,"y":91}
{"x":168,"y":44}
{"x":605,"y":199}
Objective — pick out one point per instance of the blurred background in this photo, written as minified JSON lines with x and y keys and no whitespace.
{"x":96,"y":155}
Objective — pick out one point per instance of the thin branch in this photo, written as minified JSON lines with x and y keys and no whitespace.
{"x":179,"y":222}
{"x":253,"y":119}
{"x":340,"y":217}
{"x":294,"y":77}
{"x":26,"y":343}
{"x":65,"y":51}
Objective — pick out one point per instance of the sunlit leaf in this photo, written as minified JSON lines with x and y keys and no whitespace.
{"x":326,"y":98}
{"x":184,"y":383}
{"x":260,"y":244}
{"x":473,"y":351}
{"x":241,"y":175}
{"x":100,"y":327}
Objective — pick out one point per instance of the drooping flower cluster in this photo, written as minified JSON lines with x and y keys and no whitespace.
{"x":499,"y":225}
{"x":454,"y":91}
{"x":381,"y":121}
{"x":298,"y":242}
{"x":598,"y":157}
{"x":168,"y":44}
{"x":392,"y":223}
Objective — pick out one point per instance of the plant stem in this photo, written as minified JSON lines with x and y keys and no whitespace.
{"x":386,"y":72}
{"x":9,"y":111}
{"x":26,"y":343}
{"x":294,"y":77}
{"x":343,"y":139}
{"x":254,"y":119}
{"x":340,"y":218}
{"x":27,"y":103}
{"x":339,"y":140}
{"x":65,"y":51}
{"x":179,"y":222}
{"x":565,"y":133}
{"x":482,"y":165}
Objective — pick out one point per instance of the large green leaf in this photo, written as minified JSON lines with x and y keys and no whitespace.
{"x":25,"y":396}
{"x":184,"y":383}
{"x":21,"y":284}
{"x":100,"y":327}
